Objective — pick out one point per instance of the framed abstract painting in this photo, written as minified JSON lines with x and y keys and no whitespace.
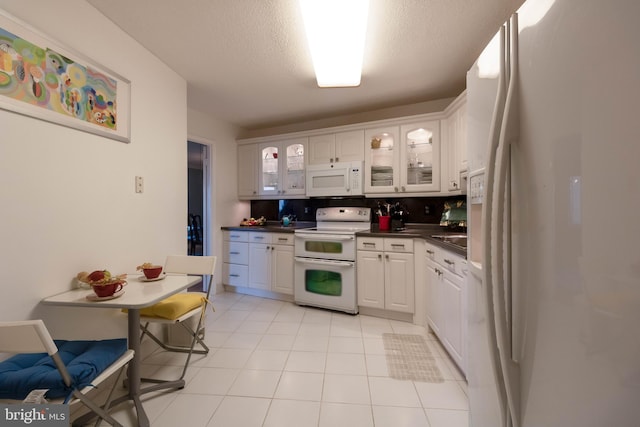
{"x":41,"y":78}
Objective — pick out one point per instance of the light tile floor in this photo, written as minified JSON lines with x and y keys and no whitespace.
{"x":273,"y":363}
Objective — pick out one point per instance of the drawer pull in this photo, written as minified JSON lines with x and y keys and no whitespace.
{"x":234,"y":253}
{"x":282,"y":239}
{"x":448,"y":261}
{"x":235,"y":236}
{"x":369,"y":244}
{"x":397,"y":245}
{"x":430,"y":252}
{"x":234,"y":275}
{"x":258,"y":237}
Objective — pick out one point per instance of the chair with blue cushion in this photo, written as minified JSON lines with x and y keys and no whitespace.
{"x":68,"y":369}
{"x":179,"y":308}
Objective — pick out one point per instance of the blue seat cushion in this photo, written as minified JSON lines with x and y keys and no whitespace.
{"x":85,"y":360}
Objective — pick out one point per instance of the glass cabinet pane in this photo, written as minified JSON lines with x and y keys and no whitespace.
{"x":295,"y":167}
{"x":269,"y":169}
{"x":419,"y":158}
{"x":382,"y":156}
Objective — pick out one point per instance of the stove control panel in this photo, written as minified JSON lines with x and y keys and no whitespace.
{"x":343,"y":214}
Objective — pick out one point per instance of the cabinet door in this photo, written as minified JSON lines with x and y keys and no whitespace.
{"x":420,"y":164}
{"x":399,"y":282}
{"x":461,"y":133}
{"x":434,"y":305}
{"x":322,"y":149}
{"x":260,"y":266}
{"x":349,"y":146}
{"x":381,"y":160}
{"x":453,"y":323}
{"x":293,"y":179}
{"x":370,"y":267}
{"x":269,"y":167}
{"x":282,"y":269}
{"x":247,"y":171}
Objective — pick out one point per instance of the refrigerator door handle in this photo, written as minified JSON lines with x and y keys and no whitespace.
{"x":486,"y":229}
{"x":500,"y":255}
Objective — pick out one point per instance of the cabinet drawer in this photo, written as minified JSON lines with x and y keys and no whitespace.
{"x":398,"y":245}
{"x":370,"y":243}
{"x":235,"y":236}
{"x":235,"y":275}
{"x":450,"y":262}
{"x":259,"y":237}
{"x":430,"y":252}
{"x":236,"y":252}
{"x":282,"y":238}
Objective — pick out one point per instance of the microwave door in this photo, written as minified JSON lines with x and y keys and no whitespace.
{"x":328,"y":182}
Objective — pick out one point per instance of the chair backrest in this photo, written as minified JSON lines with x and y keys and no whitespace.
{"x":195,"y":265}
{"x":26,"y":336}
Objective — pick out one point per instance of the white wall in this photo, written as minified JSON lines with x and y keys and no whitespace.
{"x":67,"y":200}
{"x":226,"y":209}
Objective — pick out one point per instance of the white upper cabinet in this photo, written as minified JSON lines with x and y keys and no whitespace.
{"x":282,"y":167}
{"x":345,"y":146}
{"x":247,"y":171}
{"x":382,"y":160}
{"x":404,"y":159}
{"x":420,"y":157}
{"x":455,"y":140}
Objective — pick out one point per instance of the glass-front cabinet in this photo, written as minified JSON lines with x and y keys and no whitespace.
{"x":282,"y":168}
{"x":403,"y":159}
{"x":382,"y":158}
{"x":420,"y":167}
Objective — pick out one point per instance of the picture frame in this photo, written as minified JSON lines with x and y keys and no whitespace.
{"x":41,"y":78}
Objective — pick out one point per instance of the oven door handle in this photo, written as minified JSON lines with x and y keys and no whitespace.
{"x":338,"y":237}
{"x":324,"y":262}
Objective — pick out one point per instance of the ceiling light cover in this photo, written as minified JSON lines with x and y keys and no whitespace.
{"x":336,"y":31}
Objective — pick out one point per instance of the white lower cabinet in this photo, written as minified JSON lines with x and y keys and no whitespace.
{"x":235,"y":267}
{"x":386,"y":276}
{"x":446,"y":300}
{"x":271,"y":262}
{"x":258,"y":260}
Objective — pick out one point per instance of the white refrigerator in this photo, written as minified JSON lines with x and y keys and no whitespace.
{"x":554,"y":218}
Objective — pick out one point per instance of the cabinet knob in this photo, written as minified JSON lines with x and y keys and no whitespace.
{"x":331,"y":160}
{"x":403,"y":188}
{"x":379,"y":256}
{"x":395,"y":189}
{"x":386,"y":256}
{"x":337,"y":159}
{"x":454,"y":184}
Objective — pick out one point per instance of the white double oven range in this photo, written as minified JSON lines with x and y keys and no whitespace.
{"x":325,"y":259}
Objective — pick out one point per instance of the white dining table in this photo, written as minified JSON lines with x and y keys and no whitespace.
{"x":137,"y":294}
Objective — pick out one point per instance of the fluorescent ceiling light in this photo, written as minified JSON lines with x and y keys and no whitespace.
{"x":336,"y":32}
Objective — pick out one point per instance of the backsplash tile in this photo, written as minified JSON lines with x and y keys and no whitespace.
{"x":426,"y":210}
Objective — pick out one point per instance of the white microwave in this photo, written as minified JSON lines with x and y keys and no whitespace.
{"x":335,"y":179}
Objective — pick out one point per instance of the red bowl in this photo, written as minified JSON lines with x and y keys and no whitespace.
{"x":153,"y":272}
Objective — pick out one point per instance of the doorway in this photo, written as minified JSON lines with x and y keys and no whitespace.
{"x":198,"y":211}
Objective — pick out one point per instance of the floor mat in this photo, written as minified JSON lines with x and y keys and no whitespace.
{"x":409,"y":358}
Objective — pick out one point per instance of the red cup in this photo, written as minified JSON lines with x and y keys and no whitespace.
{"x":384,"y":222}
{"x":108,"y":289}
{"x":153,"y":272}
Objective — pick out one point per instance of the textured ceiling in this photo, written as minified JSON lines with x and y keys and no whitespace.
{"x":246,"y":61}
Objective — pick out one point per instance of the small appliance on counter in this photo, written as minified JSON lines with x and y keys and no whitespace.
{"x":399,"y":215}
{"x":454,"y":215}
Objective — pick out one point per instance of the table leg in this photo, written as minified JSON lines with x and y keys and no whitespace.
{"x":134,"y":366}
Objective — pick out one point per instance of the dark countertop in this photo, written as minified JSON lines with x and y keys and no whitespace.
{"x":273,"y":227}
{"x":412,"y":231}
